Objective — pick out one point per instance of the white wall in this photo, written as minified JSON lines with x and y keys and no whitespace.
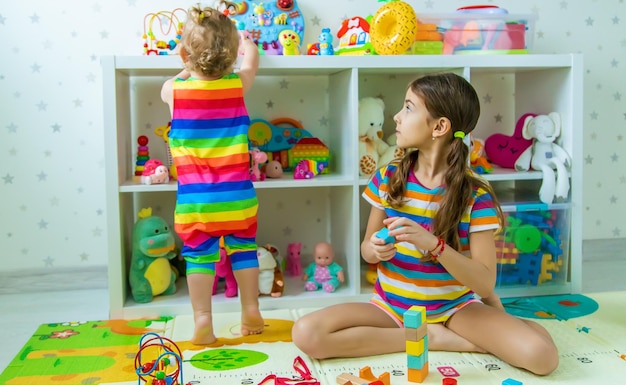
{"x":52,"y":212}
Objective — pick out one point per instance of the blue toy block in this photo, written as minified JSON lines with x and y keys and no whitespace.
{"x":529,"y":267}
{"x":510,"y":381}
{"x":384,"y":235}
{"x":414,"y":317}
{"x":417,"y":362}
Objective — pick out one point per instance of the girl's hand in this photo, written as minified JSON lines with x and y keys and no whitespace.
{"x":406,"y":230}
{"x":381,"y":250}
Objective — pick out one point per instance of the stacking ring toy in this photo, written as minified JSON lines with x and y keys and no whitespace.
{"x":393,"y":28}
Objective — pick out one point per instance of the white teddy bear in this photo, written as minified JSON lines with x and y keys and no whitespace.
{"x":373,"y":151}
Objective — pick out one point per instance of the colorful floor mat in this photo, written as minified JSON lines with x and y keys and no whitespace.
{"x":590,"y":332}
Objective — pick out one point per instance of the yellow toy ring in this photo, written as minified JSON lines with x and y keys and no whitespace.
{"x":393,"y":28}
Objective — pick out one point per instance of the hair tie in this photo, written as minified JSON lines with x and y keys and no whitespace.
{"x":459,"y":134}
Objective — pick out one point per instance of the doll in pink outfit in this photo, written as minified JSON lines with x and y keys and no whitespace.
{"x":323,"y":273}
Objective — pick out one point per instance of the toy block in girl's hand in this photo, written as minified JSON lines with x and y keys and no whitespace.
{"x":384,"y":235}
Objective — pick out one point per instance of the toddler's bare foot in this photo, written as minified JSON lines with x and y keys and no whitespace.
{"x":203,"y":331}
{"x":251,"y":320}
{"x":444,"y":339}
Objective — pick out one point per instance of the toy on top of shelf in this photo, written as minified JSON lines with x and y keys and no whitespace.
{"x":326,"y":42}
{"x":503,"y":150}
{"x":266,"y":21}
{"x":272,"y":169}
{"x":257,"y":159}
{"x":224,"y":269}
{"x":373,"y":151}
{"x":393,"y":28}
{"x":150,"y":273}
{"x":323,"y":273}
{"x":170,"y":19}
{"x":294,"y":265}
{"x":155,"y":172}
{"x":143,"y":154}
{"x":545,"y":155}
{"x":477,"y":158}
{"x":290,"y":41}
{"x":307,"y":169}
{"x":354,"y":37}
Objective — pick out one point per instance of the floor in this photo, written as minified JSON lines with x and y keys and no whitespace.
{"x":22,"y":313}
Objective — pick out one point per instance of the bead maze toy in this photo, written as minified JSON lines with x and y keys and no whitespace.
{"x":416,"y":343}
{"x":170,"y":24}
{"x":158,"y":361}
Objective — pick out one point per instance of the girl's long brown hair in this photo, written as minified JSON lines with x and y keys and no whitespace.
{"x":451,"y":96}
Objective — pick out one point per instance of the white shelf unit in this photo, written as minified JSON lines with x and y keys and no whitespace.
{"x":535,"y":83}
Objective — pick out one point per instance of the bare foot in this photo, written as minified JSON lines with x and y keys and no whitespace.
{"x":203,"y":331}
{"x":251,"y":320}
{"x":444,"y":339}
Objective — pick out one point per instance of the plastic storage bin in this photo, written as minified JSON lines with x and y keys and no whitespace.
{"x":473,"y":33}
{"x":533,"y":247}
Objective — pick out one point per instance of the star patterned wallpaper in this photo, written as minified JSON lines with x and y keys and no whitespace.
{"x":52,"y":205}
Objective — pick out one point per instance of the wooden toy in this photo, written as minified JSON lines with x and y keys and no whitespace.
{"x":510,"y":381}
{"x":416,"y":343}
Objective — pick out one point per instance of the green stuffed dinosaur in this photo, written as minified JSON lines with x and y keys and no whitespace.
{"x":153,"y":246}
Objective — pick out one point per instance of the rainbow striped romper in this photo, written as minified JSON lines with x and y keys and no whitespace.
{"x":209,"y":145}
{"x":404,"y":280}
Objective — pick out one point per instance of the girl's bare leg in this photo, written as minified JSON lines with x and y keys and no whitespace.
{"x":521,"y":343}
{"x":248,"y":282}
{"x":201,"y":294}
{"x":362,"y":329}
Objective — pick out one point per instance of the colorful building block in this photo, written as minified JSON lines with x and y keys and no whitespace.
{"x":416,"y":343}
{"x":366,"y":373}
{"x":510,"y":381}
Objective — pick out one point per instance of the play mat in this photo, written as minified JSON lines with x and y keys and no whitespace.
{"x":590,"y":332}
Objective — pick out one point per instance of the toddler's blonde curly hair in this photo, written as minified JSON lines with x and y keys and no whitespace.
{"x":210,"y":40}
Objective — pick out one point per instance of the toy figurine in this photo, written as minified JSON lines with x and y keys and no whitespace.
{"x":293,"y":265}
{"x":155,"y":172}
{"x":290,"y":40}
{"x":270,"y":276}
{"x":326,"y":42}
{"x":323,"y":273}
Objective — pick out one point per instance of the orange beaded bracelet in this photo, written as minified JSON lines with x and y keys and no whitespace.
{"x":441,"y":245}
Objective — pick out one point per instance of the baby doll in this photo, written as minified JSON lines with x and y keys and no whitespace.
{"x":323,"y":273}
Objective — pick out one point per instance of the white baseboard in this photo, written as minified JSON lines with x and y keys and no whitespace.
{"x":39,"y":280}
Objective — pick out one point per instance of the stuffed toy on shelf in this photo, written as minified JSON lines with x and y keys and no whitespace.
{"x":150,"y":272}
{"x":546,"y":156}
{"x":374,"y":152}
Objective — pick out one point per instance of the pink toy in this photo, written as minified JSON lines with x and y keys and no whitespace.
{"x":223,"y":269}
{"x":323,"y":273}
{"x":272,"y":169}
{"x":155,"y":172}
{"x":294,"y":266}
{"x":503,"y":150}
{"x":257,"y":157}
{"x":307,"y":169}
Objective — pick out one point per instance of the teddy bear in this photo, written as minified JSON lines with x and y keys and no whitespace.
{"x":224,"y":269}
{"x":546,"y":156}
{"x":374,"y":152}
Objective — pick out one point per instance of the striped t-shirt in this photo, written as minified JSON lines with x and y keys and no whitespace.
{"x":404,"y":280}
{"x":209,"y":145}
